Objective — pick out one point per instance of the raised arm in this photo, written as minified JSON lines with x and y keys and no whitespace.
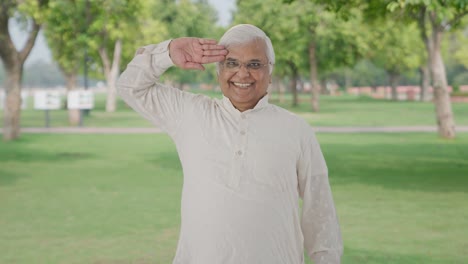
{"x":139,"y":84}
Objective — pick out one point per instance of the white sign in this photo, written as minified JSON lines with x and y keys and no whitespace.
{"x":47,"y":100}
{"x":80,"y":99}
{"x":24,"y":100}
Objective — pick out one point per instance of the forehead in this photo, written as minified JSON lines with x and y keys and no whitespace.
{"x":253,"y":50}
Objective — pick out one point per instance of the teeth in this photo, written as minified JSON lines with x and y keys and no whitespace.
{"x":242,"y":85}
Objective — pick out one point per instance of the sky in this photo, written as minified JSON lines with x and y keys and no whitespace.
{"x":42,"y":52}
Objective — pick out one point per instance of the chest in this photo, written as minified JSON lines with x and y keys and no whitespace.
{"x":250,"y":151}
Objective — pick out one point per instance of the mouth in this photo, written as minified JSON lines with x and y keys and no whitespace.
{"x":242,"y":85}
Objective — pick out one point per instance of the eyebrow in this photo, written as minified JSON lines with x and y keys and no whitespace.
{"x":252,"y":60}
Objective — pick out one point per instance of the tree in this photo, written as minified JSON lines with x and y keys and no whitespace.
{"x":64,"y":30}
{"x":434,"y":19}
{"x":31,"y":12}
{"x":112,"y":24}
{"x":395,"y":47}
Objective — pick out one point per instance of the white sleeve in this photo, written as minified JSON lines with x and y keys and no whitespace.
{"x":319,"y":222}
{"x":140,"y":88}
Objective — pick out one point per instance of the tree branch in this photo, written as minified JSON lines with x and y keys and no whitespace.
{"x":7,"y":47}
{"x":456,"y":19}
{"x":23,"y":54}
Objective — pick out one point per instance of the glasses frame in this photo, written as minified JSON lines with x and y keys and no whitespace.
{"x":245,"y":64}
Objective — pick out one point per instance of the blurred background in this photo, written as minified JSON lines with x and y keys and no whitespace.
{"x":84,"y":179}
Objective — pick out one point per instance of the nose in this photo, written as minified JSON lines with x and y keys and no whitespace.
{"x":243,"y":71}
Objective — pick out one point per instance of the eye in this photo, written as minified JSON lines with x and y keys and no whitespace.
{"x":231,"y":64}
{"x":254,"y":65}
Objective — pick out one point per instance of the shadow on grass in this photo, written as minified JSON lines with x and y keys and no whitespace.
{"x":421,"y":167}
{"x":40,"y":156}
{"x":14,"y":158}
{"x":9,"y":177}
{"x":354,"y":256}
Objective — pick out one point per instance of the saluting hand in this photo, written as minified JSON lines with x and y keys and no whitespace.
{"x":191,"y":53}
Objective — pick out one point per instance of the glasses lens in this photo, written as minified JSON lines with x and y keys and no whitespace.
{"x":254,"y":65}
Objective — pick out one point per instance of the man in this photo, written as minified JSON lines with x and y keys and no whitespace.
{"x":246,"y":162}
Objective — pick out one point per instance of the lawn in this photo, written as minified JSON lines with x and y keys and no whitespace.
{"x":335,"y":111}
{"x":401,"y":198}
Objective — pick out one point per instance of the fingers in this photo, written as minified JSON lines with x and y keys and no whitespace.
{"x":217,"y":52}
{"x":213,"y":47}
{"x":203,"y":41}
{"x":211,"y":59}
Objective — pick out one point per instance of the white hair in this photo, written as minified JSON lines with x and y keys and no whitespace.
{"x":246,"y":33}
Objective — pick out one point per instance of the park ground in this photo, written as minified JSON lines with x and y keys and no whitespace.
{"x":401,"y":197}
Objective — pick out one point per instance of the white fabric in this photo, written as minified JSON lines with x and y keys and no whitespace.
{"x":243,"y":174}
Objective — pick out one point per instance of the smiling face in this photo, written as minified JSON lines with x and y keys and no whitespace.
{"x":242,"y":86}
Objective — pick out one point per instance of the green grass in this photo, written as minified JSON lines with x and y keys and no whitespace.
{"x":401,"y":198}
{"x":335,"y":111}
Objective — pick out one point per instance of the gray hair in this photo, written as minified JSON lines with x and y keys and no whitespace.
{"x":243,"y":34}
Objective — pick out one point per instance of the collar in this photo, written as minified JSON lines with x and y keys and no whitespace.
{"x":262,"y":103}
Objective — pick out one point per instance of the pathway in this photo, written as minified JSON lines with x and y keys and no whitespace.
{"x":149,"y":130}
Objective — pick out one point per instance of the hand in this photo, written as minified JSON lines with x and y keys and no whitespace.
{"x":191,"y":53}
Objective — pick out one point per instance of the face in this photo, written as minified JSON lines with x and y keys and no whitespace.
{"x":243,"y":86}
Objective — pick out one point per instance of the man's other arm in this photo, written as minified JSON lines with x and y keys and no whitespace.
{"x":319,"y":222}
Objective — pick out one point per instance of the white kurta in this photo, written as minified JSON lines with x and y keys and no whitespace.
{"x":244,"y":173}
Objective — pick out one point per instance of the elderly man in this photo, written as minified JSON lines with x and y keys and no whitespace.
{"x":246,"y":162}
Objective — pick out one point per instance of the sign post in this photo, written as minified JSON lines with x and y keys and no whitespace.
{"x":47,"y":100}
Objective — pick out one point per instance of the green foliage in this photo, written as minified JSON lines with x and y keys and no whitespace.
{"x":292,"y":27}
{"x":76,"y":26}
{"x":396,"y":46}
{"x":66,"y":33}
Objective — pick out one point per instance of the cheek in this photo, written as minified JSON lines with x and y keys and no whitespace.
{"x":223,"y":77}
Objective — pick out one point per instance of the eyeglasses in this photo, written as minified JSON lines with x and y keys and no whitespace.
{"x":251,"y":66}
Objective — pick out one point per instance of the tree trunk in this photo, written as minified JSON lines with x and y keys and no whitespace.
{"x":282,"y":90}
{"x":443,"y":105}
{"x":293,"y":88}
{"x":13,"y":62}
{"x":348,"y":79}
{"x":393,"y":79}
{"x":425,"y":82}
{"x":12,"y":110}
{"x":315,"y":89}
{"x":73,"y":114}
{"x":111,"y":72}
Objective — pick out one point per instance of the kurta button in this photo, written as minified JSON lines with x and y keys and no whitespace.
{"x":242,"y":132}
{"x":243,"y":116}
{"x":239,"y":152}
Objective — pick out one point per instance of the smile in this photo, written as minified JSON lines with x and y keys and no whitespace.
{"x":242,"y":85}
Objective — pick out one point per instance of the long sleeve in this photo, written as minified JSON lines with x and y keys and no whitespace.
{"x":319,"y":222}
{"x":139,"y":86}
